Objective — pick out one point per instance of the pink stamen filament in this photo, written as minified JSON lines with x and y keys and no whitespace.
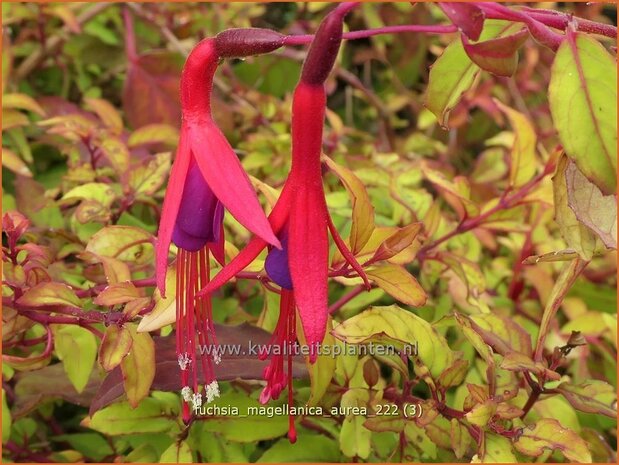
{"x":194,"y":322}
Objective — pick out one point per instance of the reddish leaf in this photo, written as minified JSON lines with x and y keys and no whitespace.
{"x":167,"y":377}
{"x":468,"y":18}
{"x":500,"y":55}
{"x":151,"y":90}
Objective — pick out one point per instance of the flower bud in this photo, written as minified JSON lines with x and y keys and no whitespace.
{"x":242,"y":42}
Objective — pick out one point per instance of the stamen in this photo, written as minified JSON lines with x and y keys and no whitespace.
{"x":196,"y":400}
{"x":184,"y":361}
{"x":186,"y":393}
{"x":212,"y":391}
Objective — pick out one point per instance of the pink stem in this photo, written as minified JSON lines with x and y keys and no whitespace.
{"x":365,"y":33}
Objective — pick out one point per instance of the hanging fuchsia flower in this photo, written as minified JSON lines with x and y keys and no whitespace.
{"x":206,"y":178}
{"x":301,"y":220}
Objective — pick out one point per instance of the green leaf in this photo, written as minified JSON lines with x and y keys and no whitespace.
{"x":321,"y":371}
{"x":138,"y":366}
{"x":592,"y":397}
{"x":583,"y":103}
{"x":77,"y":348}
{"x":178,"y":452}
{"x":308,"y":448}
{"x":480,"y":414}
{"x":452,"y":74}
{"x":497,"y":449}
{"x":460,"y":438}
{"x":398,"y":325}
{"x":119,"y":418}
{"x":548,"y":434}
{"x":354,"y":436}
{"x":91,"y":445}
{"x":242,"y":427}
{"x":49,"y":294}
{"x":396,"y":281}
{"x":99,"y":192}
{"x":6,"y":419}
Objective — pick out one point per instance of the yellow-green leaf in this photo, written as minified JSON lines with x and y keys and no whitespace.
{"x":106,"y":112}
{"x":321,"y":371}
{"x":117,"y":153}
{"x":592,"y":208}
{"x":362,"y":209}
{"x":576,"y":234}
{"x":396,"y":281}
{"x":583,"y":103}
{"x":6,"y":419}
{"x":164,"y":311}
{"x":398,"y":325}
{"x":522,"y":155}
{"x":397,"y":242}
{"x":77,"y":348}
{"x":154,"y":134}
{"x":548,"y":434}
{"x":138,"y":366}
{"x":125,"y":243}
{"x":147,"y":179}
{"x":49,"y":293}
{"x":481,"y":413}
{"x":118,"y":293}
{"x":178,"y":452}
{"x":497,"y":449}
{"x":452,"y":74}
{"x":97,"y":191}
{"x":591,"y":396}
{"x":22,"y":102}
{"x":119,"y":418}
{"x":115,"y":345}
{"x":11,"y":161}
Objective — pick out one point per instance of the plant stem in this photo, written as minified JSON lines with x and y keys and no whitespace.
{"x":365,"y":33}
{"x":506,"y":202}
{"x":346,"y":298}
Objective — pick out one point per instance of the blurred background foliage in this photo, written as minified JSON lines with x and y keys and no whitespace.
{"x":90,"y":122}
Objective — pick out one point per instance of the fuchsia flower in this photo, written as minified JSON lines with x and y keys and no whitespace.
{"x":206,"y":178}
{"x":301,"y":220}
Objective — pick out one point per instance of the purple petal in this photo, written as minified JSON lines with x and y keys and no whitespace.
{"x":199,"y":218}
{"x":276,"y":264}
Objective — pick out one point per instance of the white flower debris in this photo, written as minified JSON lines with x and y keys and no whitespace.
{"x":186,"y":393}
{"x":196,"y":400}
{"x":212,"y":391}
{"x":184,"y":361}
{"x":216,"y":357}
